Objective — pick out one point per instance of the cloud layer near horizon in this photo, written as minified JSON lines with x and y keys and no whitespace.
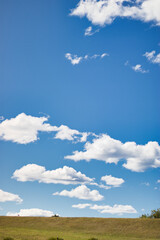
{"x":32,"y":212}
{"x":116,"y":209}
{"x":104,"y":12}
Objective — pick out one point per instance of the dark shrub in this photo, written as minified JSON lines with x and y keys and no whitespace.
{"x":53,"y":238}
{"x":8,"y":238}
{"x":93,"y":239}
{"x":55,"y":215}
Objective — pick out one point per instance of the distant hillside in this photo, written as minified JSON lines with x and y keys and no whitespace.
{"x":40,"y":228}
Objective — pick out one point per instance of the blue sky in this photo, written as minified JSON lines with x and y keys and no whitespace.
{"x":79,"y":76}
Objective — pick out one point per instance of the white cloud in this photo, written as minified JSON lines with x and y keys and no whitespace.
{"x":65,"y":175}
{"x":112,"y":181}
{"x":81,"y":205}
{"x":9,"y":197}
{"x":138,"y":68}
{"x":99,"y":55}
{"x":89,"y":31}
{"x":24,"y":129}
{"x":104,"y":148}
{"x":152,"y":57}
{"x":104,"y":12}
{"x":74,"y":59}
{"x":116,"y":209}
{"x":66,"y":133}
{"x":103,"y":186}
{"x":33,"y":212}
{"x":84,"y":136}
{"x":81,"y":192}
{"x":158,"y":181}
{"x":104,"y":55}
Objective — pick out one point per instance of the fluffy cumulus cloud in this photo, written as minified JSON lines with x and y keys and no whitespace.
{"x":65,"y":175}
{"x":9,"y":197}
{"x":138,"y":68}
{"x":153,"y":57}
{"x":24,"y":129}
{"x":102,"y":12}
{"x":138,"y":157}
{"x":66,"y":133}
{"x":158,"y":181}
{"x":81,"y":192}
{"x":74,"y":59}
{"x":32,"y":212}
{"x":112,"y":181}
{"x":116,"y":209}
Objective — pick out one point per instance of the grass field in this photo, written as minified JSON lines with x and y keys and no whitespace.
{"x":40,"y":228}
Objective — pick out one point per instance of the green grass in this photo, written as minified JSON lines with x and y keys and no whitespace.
{"x":40,"y":228}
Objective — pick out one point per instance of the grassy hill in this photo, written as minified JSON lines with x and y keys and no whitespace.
{"x":41,"y":228}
